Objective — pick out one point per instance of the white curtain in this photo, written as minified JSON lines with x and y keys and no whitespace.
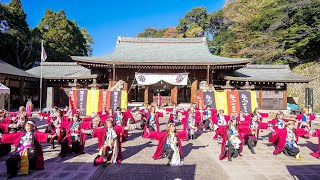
{"x":153,"y":78}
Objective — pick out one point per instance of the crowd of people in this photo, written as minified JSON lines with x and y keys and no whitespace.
{"x":111,"y":128}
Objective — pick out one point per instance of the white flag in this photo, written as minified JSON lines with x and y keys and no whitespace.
{"x":43,"y":52}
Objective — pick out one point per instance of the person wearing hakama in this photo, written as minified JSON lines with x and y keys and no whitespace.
{"x":173,"y":118}
{"x":169,"y":145}
{"x":54,"y":127}
{"x":28,"y":153}
{"x":251,"y":138}
{"x":207,"y":119}
{"x":74,"y":140}
{"x":152,"y":118}
{"x":29,"y":106}
{"x":120,"y":120}
{"x":109,"y":143}
{"x":231,"y":144}
{"x":191,"y":126}
{"x":291,"y":147}
{"x":143,"y":113}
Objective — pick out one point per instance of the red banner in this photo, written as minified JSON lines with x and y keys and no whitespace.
{"x":233,"y":103}
{"x":73,"y":99}
{"x":104,"y":99}
{"x":200,"y":99}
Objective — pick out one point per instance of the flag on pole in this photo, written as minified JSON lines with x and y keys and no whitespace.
{"x":43,"y":52}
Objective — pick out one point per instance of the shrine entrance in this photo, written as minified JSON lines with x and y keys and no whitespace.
{"x":169,"y":88}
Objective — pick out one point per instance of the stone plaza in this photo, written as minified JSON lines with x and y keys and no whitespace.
{"x":201,"y":160}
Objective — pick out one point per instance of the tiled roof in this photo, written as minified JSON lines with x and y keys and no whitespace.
{"x":61,"y":70}
{"x":161,"y":51}
{"x":7,"y":69}
{"x":266,"y":73}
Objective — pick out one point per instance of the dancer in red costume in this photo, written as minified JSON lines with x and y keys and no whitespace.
{"x":169,"y":144}
{"x":278,"y":133}
{"x":231,"y":144}
{"x":109,"y":142}
{"x":28,"y":153}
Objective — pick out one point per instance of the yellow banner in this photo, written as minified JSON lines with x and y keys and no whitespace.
{"x":221,"y":101}
{"x":124,"y":99}
{"x":92,"y":102}
{"x":254,"y":103}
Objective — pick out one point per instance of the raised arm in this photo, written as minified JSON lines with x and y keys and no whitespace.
{"x":42,"y":136}
{"x":154,"y":135}
{"x":12,"y":138}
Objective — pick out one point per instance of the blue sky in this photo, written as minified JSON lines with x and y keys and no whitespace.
{"x":107,"y":19}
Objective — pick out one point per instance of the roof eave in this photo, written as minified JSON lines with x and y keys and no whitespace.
{"x":270,"y":80}
{"x":75,"y":58}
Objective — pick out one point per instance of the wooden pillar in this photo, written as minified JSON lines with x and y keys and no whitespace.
{"x":21,"y":85}
{"x":260,"y":98}
{"x":212,"y":78}
{"x":110,"y":83}
{"x":194,"y":89}
{"x":150,"y":95}
{"x":208,"y":74}
{"x":146,"y":95}
{"x":127,"y":88}
{"x":174,"y":95}
{"x":285,"y":98}
{"x":114,"y":73}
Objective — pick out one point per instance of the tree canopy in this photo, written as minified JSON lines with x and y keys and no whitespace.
{"x":269,"y":31}
{"x":21,"y":45}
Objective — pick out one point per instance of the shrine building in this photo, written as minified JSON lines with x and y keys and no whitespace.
{"x":173,"y":67}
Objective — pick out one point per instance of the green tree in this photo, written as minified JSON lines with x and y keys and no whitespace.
{"x":63,"y":38}
{"x":17,"y":43}
{"x":196,"y":18}
{"x":148,"y":32}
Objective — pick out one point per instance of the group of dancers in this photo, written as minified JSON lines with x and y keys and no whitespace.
{"x":70,"y":129}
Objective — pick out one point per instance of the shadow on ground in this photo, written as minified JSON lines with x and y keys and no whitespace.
{"x":144,"y":171}
{"x":300,"y":172}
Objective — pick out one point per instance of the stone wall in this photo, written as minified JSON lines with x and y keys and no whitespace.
{"x":310,"y":70}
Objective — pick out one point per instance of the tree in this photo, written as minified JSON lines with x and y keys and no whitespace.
{"x":170,"y":33}
{"x":197,"y":17}
{"x":16,"y":41}
{"x":148,"y":32}
{"x":63,"y":38}
{"x":194,"y":31}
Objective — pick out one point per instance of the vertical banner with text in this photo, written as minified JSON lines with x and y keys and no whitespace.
{"x":92,"y":101}
{"x":82,"y":101}
{"x":200,"y":99}
{"x":245,"y":101}
{"x":115,"y":100}
{"x":104,"y":100}
{"x":209,"y":99}
{"x":233,"y":103}
{"x":73,"y":99}
{"x":221,"y":101}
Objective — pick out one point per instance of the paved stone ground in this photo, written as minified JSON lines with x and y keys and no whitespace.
{"x":200,"y":162}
